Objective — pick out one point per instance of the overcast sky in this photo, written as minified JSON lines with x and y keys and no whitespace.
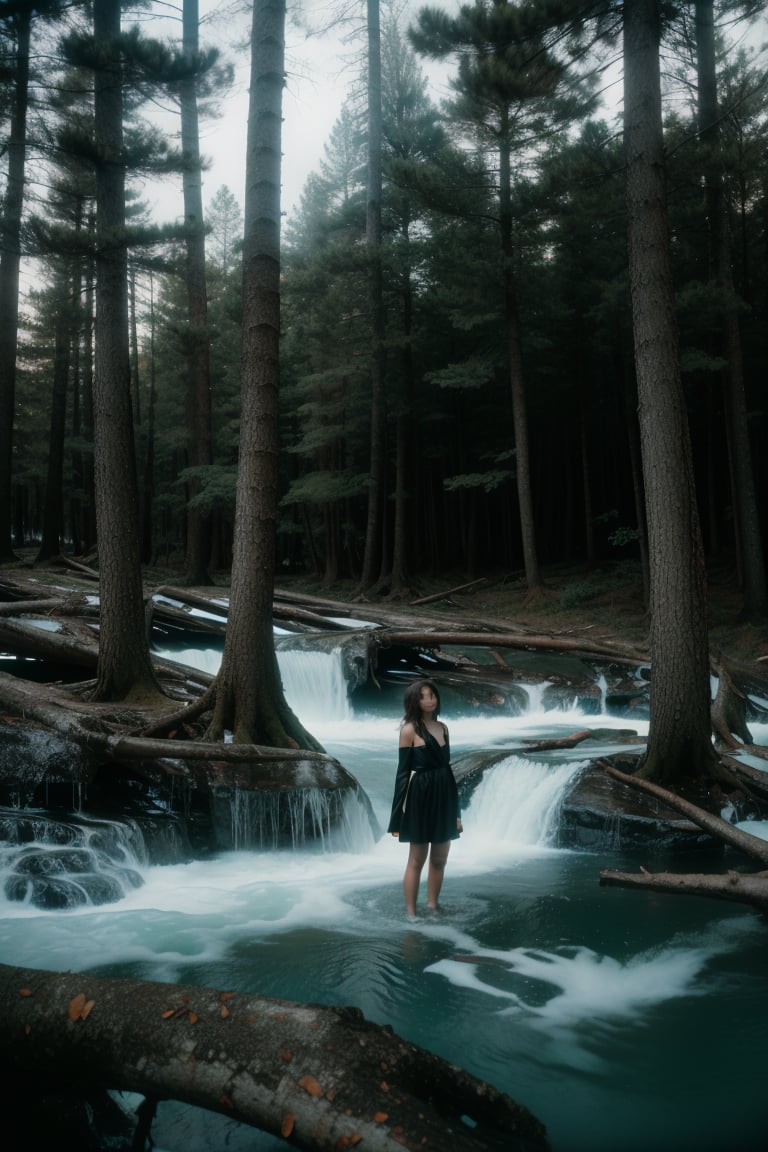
{"x":320,"y":70}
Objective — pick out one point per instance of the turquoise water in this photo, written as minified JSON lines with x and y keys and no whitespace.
{"x":626,"y":1021}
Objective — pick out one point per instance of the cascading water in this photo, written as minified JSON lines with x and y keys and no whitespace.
{"x":50,"y":864}
{"x":314,"y":685}
{"x":583,"y":1003}
{"x":517,"y":801}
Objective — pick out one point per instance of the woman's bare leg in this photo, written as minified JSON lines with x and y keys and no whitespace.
{"x":438,"y":858}
{"x":417,"y":854}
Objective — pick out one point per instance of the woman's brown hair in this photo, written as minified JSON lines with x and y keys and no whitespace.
{"x":412,"y":702}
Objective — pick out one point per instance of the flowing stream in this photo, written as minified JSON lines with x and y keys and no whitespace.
{"x":626,"y":1021}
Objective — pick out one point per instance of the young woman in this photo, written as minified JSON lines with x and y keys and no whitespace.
{"x":425,"y":809}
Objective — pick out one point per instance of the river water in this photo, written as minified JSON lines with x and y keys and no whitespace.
{"x":626,"y":1021}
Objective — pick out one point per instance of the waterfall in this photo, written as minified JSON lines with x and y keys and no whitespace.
{"x":322,"y":819}
{"x":315,"y":685}
{"x":517,"y":801}
{"x":49,"y":863}
{"x":535,"y":693}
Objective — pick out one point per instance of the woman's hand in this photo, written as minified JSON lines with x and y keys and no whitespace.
{"x":459,"y":825}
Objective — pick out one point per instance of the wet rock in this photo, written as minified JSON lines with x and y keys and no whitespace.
{"x":600,"y":813}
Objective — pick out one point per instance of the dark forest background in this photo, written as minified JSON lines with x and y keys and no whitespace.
{"x":447,"y":487}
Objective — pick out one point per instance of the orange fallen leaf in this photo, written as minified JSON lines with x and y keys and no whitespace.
{"x":193,"y":1018}
{"x":25,"y":991}
{"x":87,"y":1010}
{"x":342,"y":1143}
{"x":330,"y":1094}
{"x":384,"y":1086}
{"x":168,"y":1012}
{"x":287,"y":1125}
{"x":76,"y":1006}
{"x":310,"y":1085}
{"x":226,"y":996}
{"x":286,"y":1055}
{"x":224,"y":1011}
{"x":380,"y":1117}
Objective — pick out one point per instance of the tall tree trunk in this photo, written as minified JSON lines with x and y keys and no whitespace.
{"x":134,"y":338}
{"x":679,"y":732}
{"x":148,"y":486}
{"x":199,"y":411}
{"x":249,"y":694}
{"x":89,"y":493}
{"x":400,"y":534}
{"x":50,"y":543}
{"x":585,"y":410}
{"x":747,"y":516}
{"x":10,"y":260}
{"x":373,"y":542}
{"x":125,"y":669}
{"x":516,"y":377}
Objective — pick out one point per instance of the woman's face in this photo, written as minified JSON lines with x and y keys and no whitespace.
{"x":427,"y":699}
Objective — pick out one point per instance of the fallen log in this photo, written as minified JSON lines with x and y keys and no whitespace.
{"x":209,"y":603}
{"x":561,"y":742}
{"x":749,"y":889}
{"x":504,"y":640}
{"x":752,"y":846}
{"x":63,"y":645}
{"x":729,"y":710}
{"x":74,"y":605}
{"x":83,"y":569}
{"x":320,"y":1077}
{"x":448,"y":592}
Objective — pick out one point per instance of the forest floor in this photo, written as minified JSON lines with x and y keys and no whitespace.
{"x":604,"y":604}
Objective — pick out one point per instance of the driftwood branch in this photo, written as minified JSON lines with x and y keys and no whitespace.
{"x":83,"y":569}
{"x":320,"y":1077}
{"x":562,"y":742}
{"x":448,"y":592}
{"x":749,"y":889}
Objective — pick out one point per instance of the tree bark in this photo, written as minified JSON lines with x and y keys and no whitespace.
{"x":249,"y":697}
{"x":320,"y":1077}
{"x":199,"y":408}
{"x":373,"y":531}
{"x":125,"y":668}
{"x":533,"y":576}
{"x":53,"y":514}
{"x":679,"y":735}
{"x":10,"y":262}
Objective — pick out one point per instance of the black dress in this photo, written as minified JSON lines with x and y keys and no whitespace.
{"x":425,"y":807}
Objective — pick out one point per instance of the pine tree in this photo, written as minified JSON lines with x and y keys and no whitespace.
{"x":506,"y":95}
